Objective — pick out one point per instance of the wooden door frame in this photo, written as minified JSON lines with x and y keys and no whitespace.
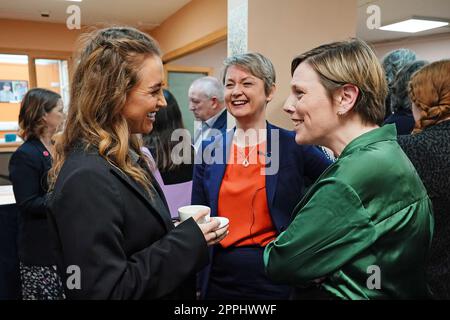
{"x":203,"y":42}
{"x":184,"y":69}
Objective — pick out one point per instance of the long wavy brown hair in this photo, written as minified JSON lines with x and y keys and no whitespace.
{"x":106,"y":71}
{"x":429,"y":90}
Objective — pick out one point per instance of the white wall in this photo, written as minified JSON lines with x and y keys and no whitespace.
{"x":211,"y":57}
{"x":283,"y":29}
{"x":431,"y":48}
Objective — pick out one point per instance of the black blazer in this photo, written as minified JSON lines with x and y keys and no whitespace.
{"x":28,"y":169}
{"x":182,"y":173}
{"x":122,"y":240}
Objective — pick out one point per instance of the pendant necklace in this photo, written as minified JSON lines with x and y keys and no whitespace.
{"x":246,"y":163}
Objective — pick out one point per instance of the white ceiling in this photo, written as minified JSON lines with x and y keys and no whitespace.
{"x":146,"y":14}
{"x":397,"y":10}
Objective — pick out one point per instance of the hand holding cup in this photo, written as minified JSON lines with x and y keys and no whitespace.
{"x":211,"y":228}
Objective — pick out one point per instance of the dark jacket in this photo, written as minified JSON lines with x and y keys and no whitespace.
{"x":403,"y":120}
{"x":122,"y":239}
{"x":296,"y":163}
{"x":429,"y":151}
{"x":28,"y":169}
{"x":221,"y":122}
{"x":181,"y":174}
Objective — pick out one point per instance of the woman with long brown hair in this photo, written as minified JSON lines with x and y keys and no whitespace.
{"x":110,"y":218}
{"x":428,"y":149}
{"x":40,"y":117}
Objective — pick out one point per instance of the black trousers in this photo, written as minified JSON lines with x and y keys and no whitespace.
{"x":238,"y":273}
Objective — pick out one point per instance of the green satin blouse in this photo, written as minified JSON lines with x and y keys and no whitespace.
{"x":365,"y":226}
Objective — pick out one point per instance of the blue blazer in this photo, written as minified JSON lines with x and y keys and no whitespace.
{"x":298,"y":166}
{"x":221,"y":122}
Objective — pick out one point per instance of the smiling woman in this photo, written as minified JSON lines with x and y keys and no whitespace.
{"x":266,"y":197}
{"x":369,"y":210}
{"x":108,"y":215}
{"x":145,"y":99}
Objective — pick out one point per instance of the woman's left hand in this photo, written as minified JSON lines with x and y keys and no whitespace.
{"x":211,"y":231}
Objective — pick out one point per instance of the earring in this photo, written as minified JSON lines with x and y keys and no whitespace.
{"x":340,"y":113}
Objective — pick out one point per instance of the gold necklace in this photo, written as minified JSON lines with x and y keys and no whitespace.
{"x":246,"y":163}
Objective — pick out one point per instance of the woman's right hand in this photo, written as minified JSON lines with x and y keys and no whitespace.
{"x":210,"y":230}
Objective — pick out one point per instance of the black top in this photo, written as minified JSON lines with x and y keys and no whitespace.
{"x":28,"y":169}
{"x":181,"y":173}
{"x":403,"y":120}
{"x":122,"y":239}
{"x":429,"y":151}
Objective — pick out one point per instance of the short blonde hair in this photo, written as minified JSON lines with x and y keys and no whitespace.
{"x":350,"y":62}
{"x":257,"y":64}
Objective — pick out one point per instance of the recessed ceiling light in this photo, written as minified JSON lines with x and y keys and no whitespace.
{"x":414,"y":25}
{"x":74,"y":0}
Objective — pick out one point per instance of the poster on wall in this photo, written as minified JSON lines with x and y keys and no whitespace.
{"x":12,"y":91}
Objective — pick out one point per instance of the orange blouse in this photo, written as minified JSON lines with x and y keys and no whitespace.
{"x":243,"y":200}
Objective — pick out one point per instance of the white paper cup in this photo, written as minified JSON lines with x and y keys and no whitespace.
{"x":188,"y":211}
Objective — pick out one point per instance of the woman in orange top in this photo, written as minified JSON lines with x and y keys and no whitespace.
{"x":242,"y":176}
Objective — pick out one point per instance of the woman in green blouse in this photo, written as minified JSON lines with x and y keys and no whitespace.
{"x":364,"y":229}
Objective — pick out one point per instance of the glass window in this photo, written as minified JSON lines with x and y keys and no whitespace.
{"x":53,"y":75}
{"x":14,"y":83}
